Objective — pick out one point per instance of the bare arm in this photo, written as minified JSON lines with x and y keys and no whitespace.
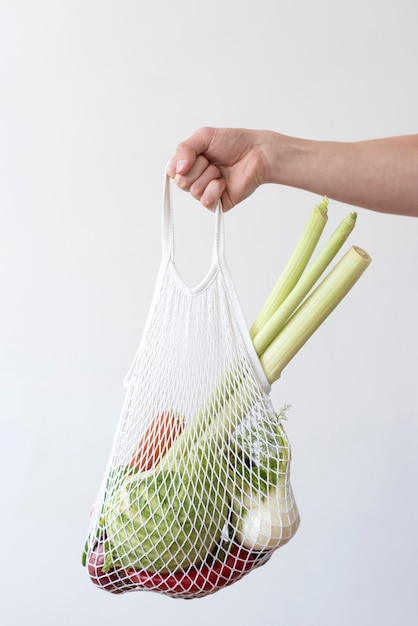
{"x":380,"y":174}
{"x":229,"y":164}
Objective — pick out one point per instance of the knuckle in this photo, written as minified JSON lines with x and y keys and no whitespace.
{"x":205,"y":130}
{"x":182,"y":147}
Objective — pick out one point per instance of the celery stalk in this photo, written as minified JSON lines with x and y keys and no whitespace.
{"x":295,"y":266}
{"x":313,"y":311}
{"x":308,"y":279}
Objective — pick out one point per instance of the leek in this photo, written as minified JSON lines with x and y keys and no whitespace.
{"x":313,"y":311}
{"x":277,"y":319}
{"x":295,"y":265}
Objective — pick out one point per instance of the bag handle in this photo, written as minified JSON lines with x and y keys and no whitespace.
{"x":168,"y":227}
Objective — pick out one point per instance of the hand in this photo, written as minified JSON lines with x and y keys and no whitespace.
{"x":219,"y":164}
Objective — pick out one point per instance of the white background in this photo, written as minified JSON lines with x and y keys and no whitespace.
{"x":94,"y":97}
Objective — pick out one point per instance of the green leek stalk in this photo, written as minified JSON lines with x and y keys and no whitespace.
{"x":288,"y":341}
{"x":277,"y":320}
{"x":295,"y":266}
{"x":313,"y":311}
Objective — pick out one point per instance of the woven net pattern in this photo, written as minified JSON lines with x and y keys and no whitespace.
{"x":197,"y":492}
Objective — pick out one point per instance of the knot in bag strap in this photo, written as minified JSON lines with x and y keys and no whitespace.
{"x":168,"y":227}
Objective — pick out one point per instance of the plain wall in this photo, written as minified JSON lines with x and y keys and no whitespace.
{"x":94,"y":97}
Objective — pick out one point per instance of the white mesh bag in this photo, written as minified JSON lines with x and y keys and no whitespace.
{"x":196,"y":493}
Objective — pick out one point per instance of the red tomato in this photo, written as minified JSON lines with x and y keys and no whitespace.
{"x":201,"y":580}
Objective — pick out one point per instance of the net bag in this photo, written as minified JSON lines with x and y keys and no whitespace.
{"x":196,"y":493}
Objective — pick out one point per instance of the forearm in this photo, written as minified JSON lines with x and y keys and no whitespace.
{"x":381,"y":174}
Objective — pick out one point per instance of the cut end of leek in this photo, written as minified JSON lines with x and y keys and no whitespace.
{"x":363,"y":254}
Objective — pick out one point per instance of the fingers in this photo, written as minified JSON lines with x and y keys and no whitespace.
{"x":193,"y":172}
{"x":204,"y":181}
{"x":188,"y":151}
{"x":199,"y":170}
{"x":213,"y":193}
{"x":202,"y":186}
{"x":172,"y":167}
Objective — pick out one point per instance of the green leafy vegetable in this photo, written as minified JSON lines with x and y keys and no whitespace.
{"x":159,"y":521}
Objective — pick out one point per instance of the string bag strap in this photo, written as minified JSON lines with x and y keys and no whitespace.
{"x":218,"y":261}
{"x":168,"y":243}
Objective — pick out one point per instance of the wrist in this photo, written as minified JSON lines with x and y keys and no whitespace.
{"x":292,"y":161}
{"x":279,"y":158}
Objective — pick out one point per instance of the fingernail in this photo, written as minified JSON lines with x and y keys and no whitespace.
{"x":180,"y":166}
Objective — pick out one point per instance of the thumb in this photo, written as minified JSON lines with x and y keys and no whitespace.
{"x":188,"y":151}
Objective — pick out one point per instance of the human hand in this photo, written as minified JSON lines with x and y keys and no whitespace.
{"x":219,"y":164}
